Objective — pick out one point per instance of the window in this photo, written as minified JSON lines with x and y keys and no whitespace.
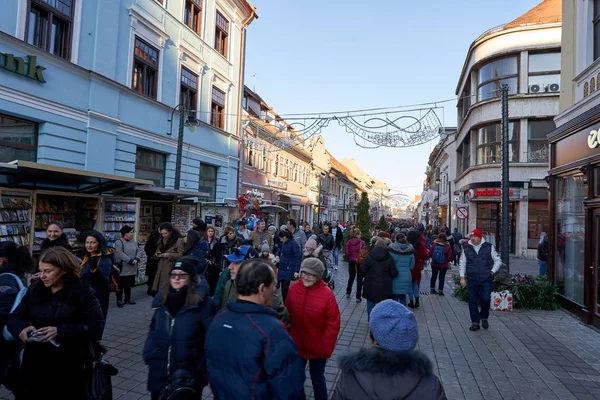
{"x":489,"y":139}
{"x":49,"y":26}
{"x":150,"y":165}
{"x":276,"y":166}
{"x":538,"y":222}
{"x":218,"y":108}
{"x":221,"y":34}
{"x":192,"y":15}
{"x":188,"y":95}
{"x":463,"y":155}
{"x":544,"y":71}
{"x":208,"y":181}
{"x":596,"y":22}
{"x":495,"y":74}
{"x":145,"y":69}
{"x":537,"y":143}
{"x":18,"y":139}
{"x":464,"y":103}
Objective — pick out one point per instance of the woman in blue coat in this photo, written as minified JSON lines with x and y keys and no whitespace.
{"x":403,"y":255}
{"x":96,"y":267}
{"x":289,"y":261}
{"x":175,"y":343}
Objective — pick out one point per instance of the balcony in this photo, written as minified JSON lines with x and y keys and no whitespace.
{"x":587,"y":83}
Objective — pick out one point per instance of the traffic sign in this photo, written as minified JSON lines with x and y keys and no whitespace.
{"x":462,"y":213}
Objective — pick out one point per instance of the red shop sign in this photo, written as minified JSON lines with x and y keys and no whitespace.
{"x":487,"y":193}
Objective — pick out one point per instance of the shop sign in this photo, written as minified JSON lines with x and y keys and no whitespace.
{"x":276,"y":183}
{"x":17,"y":65}
{"x":593,"y":139}
{"x":296,"y":208}
{"x":487,"y":193}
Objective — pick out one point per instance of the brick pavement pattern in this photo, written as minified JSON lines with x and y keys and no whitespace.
{"x":524,"y":354}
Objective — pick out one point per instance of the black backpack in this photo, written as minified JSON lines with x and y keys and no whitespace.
{"x":181,"y":386}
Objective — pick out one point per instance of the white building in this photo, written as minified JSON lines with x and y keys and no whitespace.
{"x":525,"y":54}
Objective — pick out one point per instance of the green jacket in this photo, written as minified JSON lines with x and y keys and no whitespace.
{"x":226,"y":291}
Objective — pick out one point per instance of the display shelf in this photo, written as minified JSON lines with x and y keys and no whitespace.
{"x":15,"y":217}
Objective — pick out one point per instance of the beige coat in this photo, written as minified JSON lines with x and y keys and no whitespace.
{"x":165,"y":264}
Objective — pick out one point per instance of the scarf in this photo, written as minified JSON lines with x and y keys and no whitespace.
{"x":89,"y":256}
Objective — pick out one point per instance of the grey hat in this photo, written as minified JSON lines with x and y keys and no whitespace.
{"x":313,"y":266}
{"x":265,"y":247}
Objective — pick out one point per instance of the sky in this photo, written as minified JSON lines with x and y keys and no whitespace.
{"x":315,"y":56}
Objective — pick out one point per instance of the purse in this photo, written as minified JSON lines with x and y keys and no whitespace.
{"x":181,"y":386}
{"x":99,"y":385}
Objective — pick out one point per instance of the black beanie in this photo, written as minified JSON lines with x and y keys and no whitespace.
{"x":186,"y":264}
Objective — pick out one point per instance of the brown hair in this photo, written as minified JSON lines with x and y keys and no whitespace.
{"x":192,"y":297}
{"x":351,"y":234}
{"x":63,"y":259}
{"x":442,"y":236}
{"x":228,"y":229}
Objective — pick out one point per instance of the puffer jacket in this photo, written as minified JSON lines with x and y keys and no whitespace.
{"x":289,"y":260}
{"x":386,"y":375}
{"x":177,"y":342}
{"x":448,"y":253}
{"x":250,"y":355}
{"x":404,"y":259}
{"x":62,"y":241}
{"x":353,"y":248}
{"x":315,"y":319}
{"x":378,"y":270}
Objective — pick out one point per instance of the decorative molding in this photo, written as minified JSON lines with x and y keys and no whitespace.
{"x":104,"y":117}
{"x":139,"y":16}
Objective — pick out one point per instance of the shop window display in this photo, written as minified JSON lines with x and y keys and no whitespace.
{"x":15,"y":218}
{"x":570,"y":237}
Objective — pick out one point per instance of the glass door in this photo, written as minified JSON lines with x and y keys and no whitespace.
{"x":595,"y":267}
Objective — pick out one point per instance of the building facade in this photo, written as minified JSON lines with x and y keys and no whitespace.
{"x":525,"y":54}
{"x":574,"y":174}
{"x":378,"y":191}
{"x":342,"y":189}
{"x":96,"y":91}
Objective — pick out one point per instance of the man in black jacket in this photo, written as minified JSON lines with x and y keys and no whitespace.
{"x":327,"y":240}
{"x":337,"y":234}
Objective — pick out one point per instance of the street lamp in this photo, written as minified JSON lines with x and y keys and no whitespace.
{"x":183,"y":121}
{"x":449,"y":200}
{"x":321,"y":176}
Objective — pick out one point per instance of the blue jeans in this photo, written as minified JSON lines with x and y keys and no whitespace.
{"x":479,"y":294}
{"x":400,"y":298}
{"x":316,"y":366}
{"x":370,"y":305}
{"x":413,"y":290}
{"x":336,"y":256}
{"x":543,"y":267}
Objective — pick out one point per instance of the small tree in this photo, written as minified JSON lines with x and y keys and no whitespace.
{"x":383,"y":224}
{"x":363,"y":221}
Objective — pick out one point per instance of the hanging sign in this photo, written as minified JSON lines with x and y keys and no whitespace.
{"x":462,"y":213}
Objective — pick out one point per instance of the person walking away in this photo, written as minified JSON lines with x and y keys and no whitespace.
{"x":327,"y":240}
{"x":403,"y":255}
{"x":478,"y":261}
{"x":260,"y":235}
{"x":338,"y":235}
{"x":441,"y":255}
{"x":457,"y":236}
{"x":197,"y":247}
{"x":392,"y":368}
{"x":315,"y":321}
{"x":199,"y":226}
{"x":15,"y":263}
{"x":170,"y":248}
{"x":353,"y":247}
{"x":96,"y":267}
{"x":58,"y":319}
{"x":127,"y":256}
{"x":150,"y":248}
{"x":230,"y":292}
{"x":249,"y":353}
{"x":175,"y":342}
{"x":378,"y":270}
{"x":422,"y":254}
{"x":55,"y":237}
{"x":289,"y":262}
{"x":542,"y":255}
{"x":297,"y":234}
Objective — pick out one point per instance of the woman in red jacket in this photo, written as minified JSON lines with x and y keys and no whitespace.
{"x":416,"y":238}
{"x":315,"y":320}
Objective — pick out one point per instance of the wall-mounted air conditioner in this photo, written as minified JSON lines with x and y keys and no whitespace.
{"x":553,"y":88}
{"x":536,"y":88}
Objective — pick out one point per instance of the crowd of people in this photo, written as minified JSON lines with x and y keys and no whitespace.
{"x":247,"y":312}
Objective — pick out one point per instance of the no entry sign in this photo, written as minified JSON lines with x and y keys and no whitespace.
{"x":462,"y":213}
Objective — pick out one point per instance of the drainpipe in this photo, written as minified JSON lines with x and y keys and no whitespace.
{"x":240,"y":96}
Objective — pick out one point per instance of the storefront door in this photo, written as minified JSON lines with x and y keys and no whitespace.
{"x":490,"y":222}
{"x":595,"y":266}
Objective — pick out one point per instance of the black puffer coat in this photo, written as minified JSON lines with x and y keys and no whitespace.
{"x":378,"y":269}
{"x":387,"y":375}
{"x":76,"y":313}
{"x":178,"y":342}
{"x":62,"y":241}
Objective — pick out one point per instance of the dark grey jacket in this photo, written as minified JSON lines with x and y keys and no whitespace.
{"x":387,"y":375}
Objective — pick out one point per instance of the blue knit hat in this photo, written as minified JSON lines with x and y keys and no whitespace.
{"x":394,"y":326}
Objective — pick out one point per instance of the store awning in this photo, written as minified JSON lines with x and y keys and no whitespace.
{"x":36,"y":176}
{"x":159,"y":193}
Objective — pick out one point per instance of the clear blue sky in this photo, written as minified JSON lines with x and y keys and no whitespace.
{"x":319,"y":56}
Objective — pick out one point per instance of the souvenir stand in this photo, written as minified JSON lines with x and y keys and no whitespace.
{"x":219,"y":215}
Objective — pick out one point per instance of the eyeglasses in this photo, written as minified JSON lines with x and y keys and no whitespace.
{"x":178,"y":276}
{"x":305,"y":274}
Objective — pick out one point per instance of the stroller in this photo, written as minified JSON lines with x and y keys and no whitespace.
{"x":328,"y":275}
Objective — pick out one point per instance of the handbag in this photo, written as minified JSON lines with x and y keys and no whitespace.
{"x":181,"y":386}
{"x":99,"y":385}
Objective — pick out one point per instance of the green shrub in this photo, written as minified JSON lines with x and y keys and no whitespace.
{"x":534,"y":294}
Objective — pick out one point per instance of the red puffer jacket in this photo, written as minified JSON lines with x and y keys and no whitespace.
{"x":421,"y":255}
{"x":315,"y":319}
{"x":353,"y":248}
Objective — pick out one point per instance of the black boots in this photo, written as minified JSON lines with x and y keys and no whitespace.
{"x":129,"y":301}
{"x":474,"y":327}
{"x":416,"y":302}
{"x":411,"y":305}
{"x":484,"y":324}
{"x":120,"y":303}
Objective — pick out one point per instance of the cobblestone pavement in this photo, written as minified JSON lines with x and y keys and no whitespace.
{"x":524,"y":354}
